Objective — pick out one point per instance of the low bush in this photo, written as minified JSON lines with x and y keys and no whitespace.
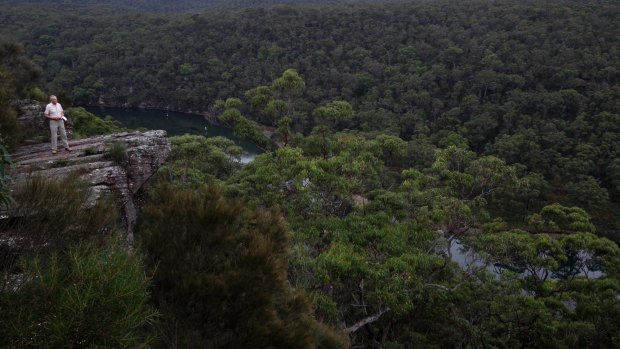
{"x":89,"y":297}
{"x":49,"y":215}
{"x":87,"y":124}
{"x":117,"y":152}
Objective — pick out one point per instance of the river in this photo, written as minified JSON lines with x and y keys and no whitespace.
{"x":175,"y":123}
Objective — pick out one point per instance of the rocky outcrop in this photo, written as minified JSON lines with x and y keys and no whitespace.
{"x":146,"y":152}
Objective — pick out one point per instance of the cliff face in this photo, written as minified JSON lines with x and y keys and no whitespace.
{"x":146,"y":152}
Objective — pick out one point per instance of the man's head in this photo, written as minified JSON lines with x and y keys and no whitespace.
{"x":53,"y":99}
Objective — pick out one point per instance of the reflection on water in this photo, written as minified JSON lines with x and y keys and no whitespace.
{"x":577,"y":265}
{"x":175,"y":123}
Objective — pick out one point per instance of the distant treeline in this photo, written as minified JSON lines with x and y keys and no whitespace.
{"x":184,"y":5}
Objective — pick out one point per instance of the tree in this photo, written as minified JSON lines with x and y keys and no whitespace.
{"x":259,"y":98}
{"x":452,"y":55}
{"x":276,"y":109}
{"x":613,"y":171}
{"x":289,"y":85}
{"x":369,"y":273}
{"x":564,"y":287}
{"x":196,"y":160}
{"x":232,"y":114}
{"x":585,"y":191}
{"x":453,"y":194}
{"x":392,"y":148}
{"x":219,"y":273}
{"x":284,"y":130}
{"x":556,"y":218}
{"x":333,"y":113}
{"x":17,"y":75}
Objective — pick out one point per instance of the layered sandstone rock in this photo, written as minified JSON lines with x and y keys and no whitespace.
{"x":146,"y":152}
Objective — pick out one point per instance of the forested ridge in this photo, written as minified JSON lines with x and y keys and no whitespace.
{"x":532,"y":83}
{"x":441,"y":174}
{"x":180,"y":5}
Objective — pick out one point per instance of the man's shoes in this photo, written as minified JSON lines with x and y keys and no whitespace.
{"x":69,"y":149}
{"x":54,"y":152}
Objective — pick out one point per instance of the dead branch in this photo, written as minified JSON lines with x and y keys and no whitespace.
{"x":366,"y":321}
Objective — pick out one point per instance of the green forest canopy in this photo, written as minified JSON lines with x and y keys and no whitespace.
{"x":532,"y":83}
{"x":182,"y":5}
{"x":405,"y":126}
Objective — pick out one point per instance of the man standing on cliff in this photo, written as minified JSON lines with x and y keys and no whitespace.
{"x":56,"y":114}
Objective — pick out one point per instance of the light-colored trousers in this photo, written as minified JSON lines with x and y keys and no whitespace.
{"x":55,"y":125}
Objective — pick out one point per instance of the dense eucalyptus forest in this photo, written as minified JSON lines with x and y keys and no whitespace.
{"x":401,"y":137}
{"x":178,"y":5}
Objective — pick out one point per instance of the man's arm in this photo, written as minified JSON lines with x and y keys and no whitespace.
{"x":62,"y":113}
{"x":47,"y":112}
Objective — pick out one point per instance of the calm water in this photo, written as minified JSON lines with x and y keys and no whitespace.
{"x":467,"y":258}
{"x":175,"y":123}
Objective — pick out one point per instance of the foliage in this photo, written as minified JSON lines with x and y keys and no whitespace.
{"x":557,"y":274}
{"x":334,"y":112}
{"x":17,"y":74}
{"x":37,"y":94}
{"x":196,"y":160}
{"x":49,"y":215}
{"x":556,"y":218}
{"x":444,"y":167}
{"x":243,"y":128}
{"x":365,"y":265}
{"x":90,"y":297}
{"x":373,"y":243}
{"x":220,"y":278}
{"x":523,"y":81}
{"x":117,"y":152}
{"x":5,"y":161}
{"x":184,"y":5}
{"x":88,"y":151}
{"x":360,"y":265}
{"x":87,"y":124}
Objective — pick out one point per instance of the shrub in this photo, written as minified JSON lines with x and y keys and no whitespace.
{"x":60,"y":163}
{"x":49,"y":215}
{"x":87,"y":124}
{"x":90,"y":151}
{"x":117,"y":152}
{"x":220,"y":274}
{"x":87,"y":298}
{"x":37,"y":94}
{"x":5,"y":161}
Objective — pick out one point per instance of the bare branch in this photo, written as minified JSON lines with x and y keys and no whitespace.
{"x":442,"y":287}
{"x":366,"y":321}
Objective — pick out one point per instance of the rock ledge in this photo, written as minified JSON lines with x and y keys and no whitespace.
{"x":146,"y":152}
